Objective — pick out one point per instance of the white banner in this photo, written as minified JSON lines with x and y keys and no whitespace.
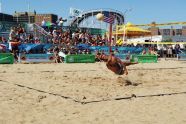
{"x":76,"y":12}
{"x":36,"y":58}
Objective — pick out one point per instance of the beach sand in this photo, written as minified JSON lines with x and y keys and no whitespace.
{"x":91,"y":94}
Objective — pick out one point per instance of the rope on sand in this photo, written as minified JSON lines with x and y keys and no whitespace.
{"x":42,"y":91}
{"x":103,"y":100}
{"x":135,"y":96}
{"x":50,"y":93}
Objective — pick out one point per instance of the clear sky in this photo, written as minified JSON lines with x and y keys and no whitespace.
{"x":143,"y":11}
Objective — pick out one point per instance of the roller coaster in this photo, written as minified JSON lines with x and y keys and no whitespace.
{"x":119,"y":15}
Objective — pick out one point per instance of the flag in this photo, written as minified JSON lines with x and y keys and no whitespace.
{"x":75,"y":12}
{"x":0,"y":7}
{"x":108,"y":17}
{"x":71,"y":16}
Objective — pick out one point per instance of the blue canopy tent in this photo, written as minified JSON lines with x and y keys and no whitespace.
{"x":83,"y":46}
{"x":33,"y":48}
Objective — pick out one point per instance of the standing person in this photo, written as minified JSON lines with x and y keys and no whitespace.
{"x":14,"y":48}
{"x":60,"y":23}
{"x":2,"y":48}
{"x":161,"y":51}
{"x":165,"y":51}
{"x":56,"y":54}
{"x":12,"y":34}
{"x":3,"y":40}
{"x":31,"y":38}
{"x":144,"y":52}
{"x":43,"y":24}
{"x":169,"y":51}
{"x":128,"y":57}
{"x":177,"y":49}
{"x":23,"y":35}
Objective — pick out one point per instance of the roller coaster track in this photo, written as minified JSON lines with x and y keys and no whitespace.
{"x":119,"y":15}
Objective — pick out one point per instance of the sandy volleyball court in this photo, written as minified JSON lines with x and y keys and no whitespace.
{"x":91,"y":94}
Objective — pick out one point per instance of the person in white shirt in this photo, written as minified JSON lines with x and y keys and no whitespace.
{"x":43,"y":24}
{"x":12,"y":34}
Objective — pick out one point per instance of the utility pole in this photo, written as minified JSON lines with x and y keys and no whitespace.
{"x":17,"y":17}
{"x":1,"y":10}
{"x":28,"y":12}
{"x":1,"y":6}
{"x":124,"y":26}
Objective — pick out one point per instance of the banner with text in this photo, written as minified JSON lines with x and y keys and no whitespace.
{"x":76,"y":12}
{"x":36,"y":58}
{"x":119,"y":50}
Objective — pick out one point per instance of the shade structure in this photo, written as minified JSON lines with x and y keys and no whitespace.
{"x":130,"y":30}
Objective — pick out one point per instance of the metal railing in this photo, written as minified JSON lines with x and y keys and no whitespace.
{"x":41,"y":33}
{"x":41,"y":29}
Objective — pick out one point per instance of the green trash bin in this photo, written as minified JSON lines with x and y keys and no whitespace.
{"x":145,"y":58}
{"x":80,"y":58}
{"x":6,"y":58}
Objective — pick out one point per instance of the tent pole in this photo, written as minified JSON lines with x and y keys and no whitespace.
{"x":110,"y":37}
{"x":116,"y":33}
{"x":124,"y":33}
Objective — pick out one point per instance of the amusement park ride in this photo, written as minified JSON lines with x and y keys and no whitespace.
{"x":119,"y":17}
{"x":122,"y":29}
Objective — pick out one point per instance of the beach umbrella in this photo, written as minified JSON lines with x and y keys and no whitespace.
{"x":131,"y":31}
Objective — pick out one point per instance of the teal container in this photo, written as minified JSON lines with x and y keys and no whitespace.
{"x":6,"y":58}
{"x":145,"y":58}
{"x":81,"y":58}
{"x":181,"y":57}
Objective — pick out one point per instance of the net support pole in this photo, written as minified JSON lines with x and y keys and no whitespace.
{"x":110,"y":37}
{"x":124,"y":32}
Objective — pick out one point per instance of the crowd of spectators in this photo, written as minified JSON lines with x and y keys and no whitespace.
{"x":18,"y":34}
{"x":64,"y":39}
{"x":170,"y":51}
{"x":67,"y":40}
{"x":61,"y":40}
